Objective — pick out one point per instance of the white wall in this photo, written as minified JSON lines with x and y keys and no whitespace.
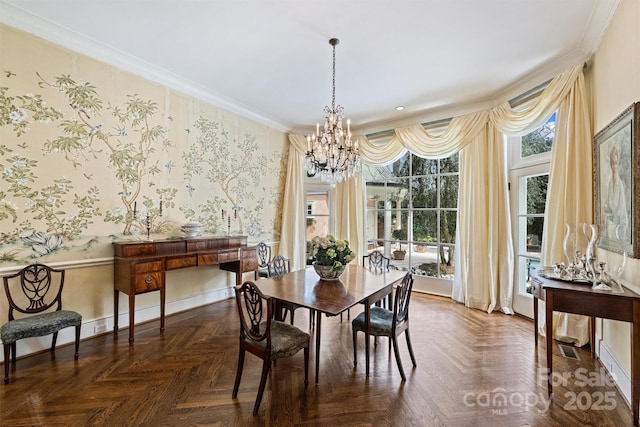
{"x":615,"y":84}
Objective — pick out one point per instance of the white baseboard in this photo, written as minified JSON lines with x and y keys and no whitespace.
{"x":103,"y":325}
{"x":612,"y":365}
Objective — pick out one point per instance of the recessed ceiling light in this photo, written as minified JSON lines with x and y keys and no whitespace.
{"x":400,"y":108}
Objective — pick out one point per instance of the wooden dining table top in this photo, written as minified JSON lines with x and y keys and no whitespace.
{"x":305,"y":288}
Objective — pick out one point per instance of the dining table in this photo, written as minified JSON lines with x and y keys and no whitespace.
{"x":331,"y":297}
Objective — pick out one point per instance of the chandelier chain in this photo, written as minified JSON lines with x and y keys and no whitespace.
{"x":333,"y":97}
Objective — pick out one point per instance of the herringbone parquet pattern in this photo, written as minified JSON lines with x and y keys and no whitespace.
{"x":467,"y":360}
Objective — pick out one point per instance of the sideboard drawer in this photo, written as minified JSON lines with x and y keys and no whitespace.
{"x":149,"y":282}
{"x":218,"y":257}
{"x":230,"y":255}
{"x":249,"y":264}
{"x":147,"y":266}
{"x":182,"y":262}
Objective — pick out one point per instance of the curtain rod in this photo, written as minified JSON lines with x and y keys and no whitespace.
{"x":514,"y":102}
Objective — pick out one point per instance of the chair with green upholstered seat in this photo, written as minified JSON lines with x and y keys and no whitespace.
{"x":265,"y":337}
{"x":389,"y":323}
{"x":35,"y":310}
{"x":278,"y":266}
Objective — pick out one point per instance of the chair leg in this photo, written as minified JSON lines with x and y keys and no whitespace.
{"x":53,"y":341}
{"x":355,"y":348}
{"x":77,"y":354}
{"x":413,"y":359}
{"x":348,"y":314}
{"x":266,"y":365}
{"x":397,"y":353}
{"x":306,"y":367}
{"x":311,"y":317}
{"x":7,"y":354}
{"x":13,"y":352}
{"x":340,"y":317}
{"x":291,"y":316}
{"x":236,"y":385}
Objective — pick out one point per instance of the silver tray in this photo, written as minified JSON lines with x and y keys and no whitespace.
{"x":550,"y":273}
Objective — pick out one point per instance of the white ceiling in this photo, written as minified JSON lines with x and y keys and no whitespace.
{"x":271,"y":60}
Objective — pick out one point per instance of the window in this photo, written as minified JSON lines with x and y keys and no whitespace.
{"x":317,"y":214}
{"x":529,"y":178}
{"x":411,"y":213}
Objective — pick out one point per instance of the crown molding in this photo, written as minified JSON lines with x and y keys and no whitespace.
{"x":599,"y":21}
{"x":20,"y":19}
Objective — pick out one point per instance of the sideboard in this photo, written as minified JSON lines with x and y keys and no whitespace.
{"x":141,"y":266}
{"x":582,"y":299}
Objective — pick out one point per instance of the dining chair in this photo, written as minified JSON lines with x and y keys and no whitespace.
{"x":265,"y":337}
{"x":264,"y":257}
{"x":375,"y":261}
{"x":35,"y":309}
{"x":389,"y":323}
{"x":278,"y":266}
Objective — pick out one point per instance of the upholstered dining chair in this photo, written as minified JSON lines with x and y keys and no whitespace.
{"x":389,"y":323}
{"x":278,"y":266}
{"x":265,"y":337}
{"x":35,"y":309}
{"x":264,"y":258}
{"x":375,"y":261}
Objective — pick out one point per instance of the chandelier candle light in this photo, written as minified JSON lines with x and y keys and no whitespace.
{"x":331,"y":152}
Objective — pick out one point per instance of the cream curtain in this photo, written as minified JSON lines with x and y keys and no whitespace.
{"x":348,"y":208}
{"x":569,"y":196}
{"x":293,"y":242}
{"x":484,"y":257}
{"x":484,"y":267}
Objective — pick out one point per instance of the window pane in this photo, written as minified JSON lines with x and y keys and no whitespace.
{"x":398,"y":193}
{"x":446,"y":253}
{"x":425,"y":225}
{"x":424,"y":192}
{"x":535,"y":226}
{"x":540,"y":140}
{"x":317,"y":214}
{"x":449,"y":191}
{"x":448,"y":226}
{"x":537,"y":193}
{"x":426,"y":263}
{"x":424,"y":166}
{"x":401,"y":166}
{"x":449,"y":165}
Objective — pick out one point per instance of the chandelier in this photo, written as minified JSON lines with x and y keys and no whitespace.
{"x":331,"y":153}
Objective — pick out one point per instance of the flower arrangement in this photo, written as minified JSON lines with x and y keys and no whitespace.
{"x":331,"y":252}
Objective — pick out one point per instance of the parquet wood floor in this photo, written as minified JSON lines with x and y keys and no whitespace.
{"x":467,"y":360}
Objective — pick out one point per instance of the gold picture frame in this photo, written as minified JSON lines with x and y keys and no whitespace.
{"x":616,"y":168}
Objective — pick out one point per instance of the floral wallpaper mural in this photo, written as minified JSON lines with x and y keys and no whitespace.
{"x":82,"y":167}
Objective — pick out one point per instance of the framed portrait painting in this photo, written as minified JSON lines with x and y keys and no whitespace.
{"x":616,"y":162}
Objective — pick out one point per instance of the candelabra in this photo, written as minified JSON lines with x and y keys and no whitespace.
{"x":227,"y":215}
{"x":148,"y":218}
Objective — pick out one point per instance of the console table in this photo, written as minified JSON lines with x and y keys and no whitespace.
{"x":140,"y":267}
{"x":581,"y":299}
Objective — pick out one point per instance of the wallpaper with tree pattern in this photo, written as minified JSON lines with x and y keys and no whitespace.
{"x":82,"y":168}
